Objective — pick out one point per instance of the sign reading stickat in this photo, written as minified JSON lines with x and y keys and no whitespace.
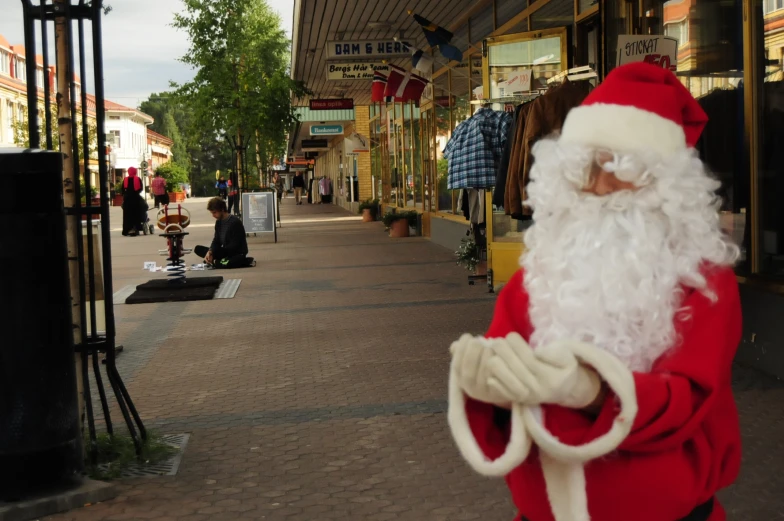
{"x":367,"y":48}
{"x":355,"y":71}
{"x":656,"y":50}
{"x":331,"y":104}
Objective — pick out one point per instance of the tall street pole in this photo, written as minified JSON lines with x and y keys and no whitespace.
{"x":70,"y":177}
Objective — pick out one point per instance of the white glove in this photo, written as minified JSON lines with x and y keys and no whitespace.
{"x":469,"y":366}
{"x":551,"y":374}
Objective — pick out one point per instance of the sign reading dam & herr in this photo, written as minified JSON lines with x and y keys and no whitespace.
{"x":354,"y":71}
{"x":367,"y":49}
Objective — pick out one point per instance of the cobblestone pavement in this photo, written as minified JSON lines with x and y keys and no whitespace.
{"x":318,"y":392}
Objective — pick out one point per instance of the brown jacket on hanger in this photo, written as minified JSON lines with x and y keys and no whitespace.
{"x":512,"y":202}
{"x":546,"y":116}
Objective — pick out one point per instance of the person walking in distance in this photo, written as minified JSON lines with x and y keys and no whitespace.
{"x":233,"y":192}
{"x":277,"y":181}
{"x":159,"y":190}
{"x":299,"y":186}
{"x":223,"y":188}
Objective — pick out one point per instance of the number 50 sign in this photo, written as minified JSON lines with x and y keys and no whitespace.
{"x":656,"y":50}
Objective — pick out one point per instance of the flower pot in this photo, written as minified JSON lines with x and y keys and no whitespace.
{"x":399,"y":228}
{"x":368,"y":215}
{"x":176,"y":197}
{"x":117,"y":200}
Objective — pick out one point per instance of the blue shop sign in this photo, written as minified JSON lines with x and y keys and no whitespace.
{"x":326,"y":130}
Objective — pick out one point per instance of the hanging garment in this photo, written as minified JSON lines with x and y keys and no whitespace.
{"x":476,"y":205}
{"x":475,"y":150}
{"x":503,"y":167}
{"x":546,"y":116}
{"x":515,"y":163}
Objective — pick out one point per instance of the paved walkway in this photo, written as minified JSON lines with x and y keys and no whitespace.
{"x":318,"y":392}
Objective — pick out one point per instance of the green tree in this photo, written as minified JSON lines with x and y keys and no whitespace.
{"x":241,"y":91}
{"x":171,"y":120}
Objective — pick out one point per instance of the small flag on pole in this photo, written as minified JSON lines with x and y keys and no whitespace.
{"x":378,"y":87}
{"x":403,"y":86}
{"x":439,"y":37}
{"x":421,"y":61}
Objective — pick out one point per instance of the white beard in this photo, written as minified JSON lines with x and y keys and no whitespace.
{"x":610,"y":270}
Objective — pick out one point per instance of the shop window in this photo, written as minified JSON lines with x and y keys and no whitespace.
{"x":709,"y":63}
{"x":556,"y":13}
{"x":443,"y":131}
{"x":481,"y":24}
{"x":768,"y":84}
{"x":461,"y":93}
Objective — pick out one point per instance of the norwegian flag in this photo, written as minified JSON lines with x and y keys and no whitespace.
{"x":404,"y":86}
{"x":378,"y":87}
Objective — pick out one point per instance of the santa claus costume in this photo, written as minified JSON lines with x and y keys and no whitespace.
{"x":602,"y":389}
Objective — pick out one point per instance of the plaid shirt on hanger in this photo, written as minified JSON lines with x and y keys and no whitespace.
{"x":476,"y":148}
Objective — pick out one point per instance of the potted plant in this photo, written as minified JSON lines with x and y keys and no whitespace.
{"x":399,"y":223}
{"x":95,"y":199}
{"x":174,"y":175}
{"x":468,"y":254}
{"x":117,"y":199}
{"x":369,"y":210}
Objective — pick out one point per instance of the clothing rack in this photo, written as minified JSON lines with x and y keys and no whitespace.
{"x":574,"y":74}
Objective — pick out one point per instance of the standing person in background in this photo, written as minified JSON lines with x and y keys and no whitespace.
{"x":132,"y":203}
{"x":233,"y":192}
{"x":159,"y":190}
{"x":299,"y":186}
{"x":277,"y":181}
{"x":223,"y":188}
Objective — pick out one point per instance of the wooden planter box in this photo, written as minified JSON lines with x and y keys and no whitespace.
{"x":176,"y":197}
{"x":95,"y":202}
{"x":117,"y":200}
{"x":399,"y":228}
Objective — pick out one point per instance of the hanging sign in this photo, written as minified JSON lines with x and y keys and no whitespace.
{"x":355,"y":144}
{"x":518,"y":81}
{"x":332,"y":104}
{"x":354,"y":71}
{"x":311,"y":145}
{"x":326,"y":130}
{"x":368,"y":48}
{"x":656,"y":50}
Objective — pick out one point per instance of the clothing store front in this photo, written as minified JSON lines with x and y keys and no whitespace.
{"x":525,"y":64}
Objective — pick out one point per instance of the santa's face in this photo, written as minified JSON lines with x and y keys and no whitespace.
{"x":614,"y":240}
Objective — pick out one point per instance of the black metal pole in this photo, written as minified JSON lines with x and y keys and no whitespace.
{"x":47,"y":88}
{"x":32,"y":92}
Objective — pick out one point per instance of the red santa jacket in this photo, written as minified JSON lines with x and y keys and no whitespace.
{"x":685,"y":442}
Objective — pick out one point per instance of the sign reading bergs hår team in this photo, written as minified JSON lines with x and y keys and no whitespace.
{"x":354,"y":71}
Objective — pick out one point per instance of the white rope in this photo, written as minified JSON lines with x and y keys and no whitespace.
{"x":562,"y":464}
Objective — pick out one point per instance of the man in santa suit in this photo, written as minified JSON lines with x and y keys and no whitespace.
{"x":602,"y":389}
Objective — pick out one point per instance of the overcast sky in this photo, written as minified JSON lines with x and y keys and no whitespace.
{"x":140,"y":48}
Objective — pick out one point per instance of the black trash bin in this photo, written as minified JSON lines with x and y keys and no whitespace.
{"x":40,"y":443}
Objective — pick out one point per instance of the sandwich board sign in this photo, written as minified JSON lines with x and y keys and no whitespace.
{"x":258,"y":213}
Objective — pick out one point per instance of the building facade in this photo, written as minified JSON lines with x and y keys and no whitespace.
{"x":126,"y":128}
{"x":727,"y":53}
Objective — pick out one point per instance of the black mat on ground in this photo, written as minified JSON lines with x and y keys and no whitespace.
{"x":161,"y":290}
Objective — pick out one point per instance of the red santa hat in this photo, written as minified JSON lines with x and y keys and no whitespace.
{"x":638,"y":107}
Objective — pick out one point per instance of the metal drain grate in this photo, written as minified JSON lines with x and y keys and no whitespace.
{"x":166,"y":468}
{"x":228,"y":288}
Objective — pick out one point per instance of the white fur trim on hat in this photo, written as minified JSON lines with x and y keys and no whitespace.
{"x":622,"y":128}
